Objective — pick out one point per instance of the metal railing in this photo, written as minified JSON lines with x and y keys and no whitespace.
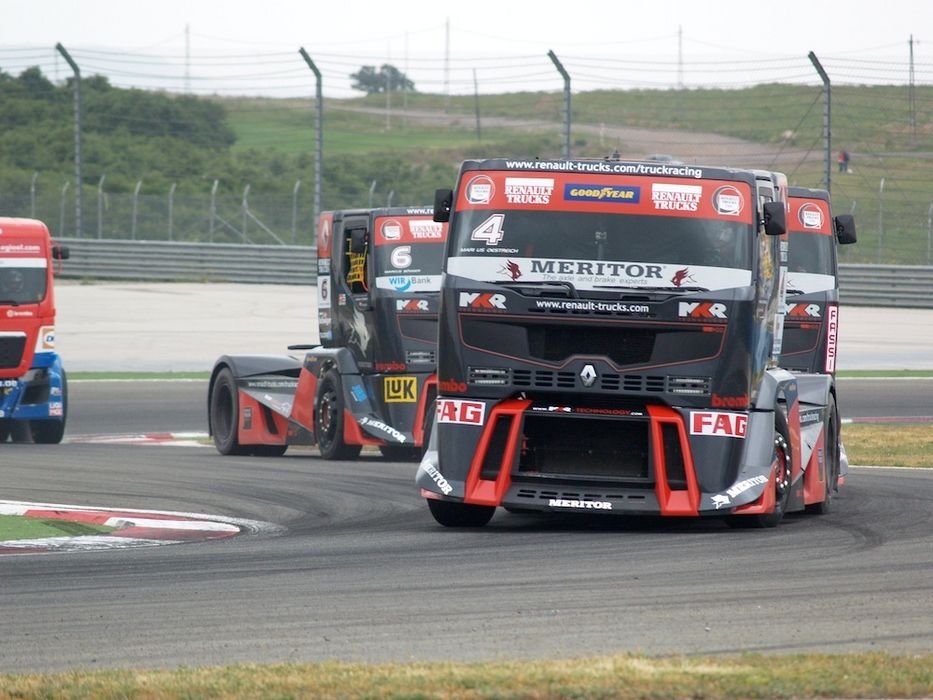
{"x":908,"y":286}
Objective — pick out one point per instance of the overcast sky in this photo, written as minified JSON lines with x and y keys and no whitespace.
{"x":430,"y":41}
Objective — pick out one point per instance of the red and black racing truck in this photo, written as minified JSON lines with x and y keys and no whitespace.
{"x":608,"y":342}
{"x":33,"y":384}
{"x":372,"y":376}
{"x":811,"y":321}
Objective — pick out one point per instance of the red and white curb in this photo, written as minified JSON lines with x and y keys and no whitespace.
{"x":189,"y":439}
{"x":135,"y":528}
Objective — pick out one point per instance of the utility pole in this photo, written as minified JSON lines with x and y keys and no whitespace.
{"x":78,"y":177}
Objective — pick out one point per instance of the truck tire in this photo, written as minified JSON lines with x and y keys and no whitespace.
{"x":455,"y":514}
{"x":830,"y":461}
{"x":51,"y":432}
{"x":781,"y":458}
{"x":328,"y":419}
{"x":224,"y":414}
{"x":5,"y":429}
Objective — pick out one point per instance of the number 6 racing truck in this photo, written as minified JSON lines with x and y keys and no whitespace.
{"x":608,"y":341}
{"x":369,"y":381}
{"x":33,"y":385}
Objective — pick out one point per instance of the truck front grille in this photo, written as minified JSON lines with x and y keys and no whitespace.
{"x":11,"y":350}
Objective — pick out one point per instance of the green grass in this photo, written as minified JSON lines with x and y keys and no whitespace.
{"x":16,"y":527}
{"x":872,"y":122}
{"x":867,"y":675}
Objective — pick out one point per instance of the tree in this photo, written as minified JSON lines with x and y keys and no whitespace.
{"x":388,"y":78}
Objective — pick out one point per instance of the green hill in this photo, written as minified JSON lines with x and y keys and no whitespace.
{"x":257,"y":155}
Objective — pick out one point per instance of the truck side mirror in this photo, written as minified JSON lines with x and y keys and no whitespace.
{"x":359,"y":237}
{"x":775,"y":219}
{"x":845,"y":228}
{"x":443,"y":200}
{"x":60,"y":252}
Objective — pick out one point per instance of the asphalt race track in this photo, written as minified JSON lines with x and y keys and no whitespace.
{"x":362,"y":573}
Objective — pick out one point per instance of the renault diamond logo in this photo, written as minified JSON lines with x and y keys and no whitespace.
{"x":588,"y":375}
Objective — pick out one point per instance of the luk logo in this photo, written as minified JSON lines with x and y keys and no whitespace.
{"x":718,"y":423}
{"x":482,"y":300}
{"x":701,"y":309}
{"x":460,"y":412}
{"x":400,"y":389}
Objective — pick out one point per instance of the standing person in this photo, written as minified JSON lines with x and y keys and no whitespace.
{"x":843,"y":160}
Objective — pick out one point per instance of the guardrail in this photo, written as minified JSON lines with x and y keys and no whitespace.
{"x":908,"y":286}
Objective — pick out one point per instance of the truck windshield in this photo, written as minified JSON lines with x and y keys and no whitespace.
{"x":410,"y":258}
{"x":21,"y":282}
{"x":810,"y":252}
{"x":593,"y":249}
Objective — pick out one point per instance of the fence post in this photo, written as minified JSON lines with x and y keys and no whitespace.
{"x":372,"y":188}
{"x":295,"y":209}
{"x":210,"y":226}
{"x":61,"y":216}
{"x":139,"y":185}
{"x":171,"y":209}
{"x":100,"y":206}
{"x":32,"y":196}
{"x":880,"y":218}
{"x":929,"y":231}
{"x":389,"y":198}
{"x":245,"y":211}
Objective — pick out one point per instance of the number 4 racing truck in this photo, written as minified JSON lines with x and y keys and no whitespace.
{"x":372,"y":376}
{"x":33,"y":386}
{"x":608,"y":341}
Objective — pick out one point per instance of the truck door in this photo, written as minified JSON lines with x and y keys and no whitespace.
{"x":352,"y":280}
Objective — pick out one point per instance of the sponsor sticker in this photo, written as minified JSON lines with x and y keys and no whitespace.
{"x":461,"y":412}
{"x":400,"y":389}
{"x":480,"y":190}
{"x":810,"y":216}
{"x":728,"y":201}
{"x":673,"y":197}
{"x":718,"y":423}
{"x":622,"y":194}
{"x":529,"y":190}
{"x":391,"y":230}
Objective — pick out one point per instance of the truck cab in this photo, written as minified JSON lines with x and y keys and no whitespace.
{"x":811,"y":320}
{"x":371,"y":378}
{"x":33,"y":384}
{"x":608,"y":342}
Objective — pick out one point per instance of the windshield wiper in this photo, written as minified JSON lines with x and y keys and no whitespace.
{"x":538,"y":289}
{"x":656,"y":289}
{"x":10,"y":302}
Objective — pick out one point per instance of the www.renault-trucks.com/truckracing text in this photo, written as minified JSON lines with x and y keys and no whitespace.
{"x":33,"y":385}
{"x":608,"y":342}
{"x":371,"y":379}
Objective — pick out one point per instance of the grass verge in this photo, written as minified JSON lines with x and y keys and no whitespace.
{"x":16,"y":527}
{"x":868,"y":675}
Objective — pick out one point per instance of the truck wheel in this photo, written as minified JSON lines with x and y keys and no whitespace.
{"x":5,"y":429}
{"x":224,"y":414}
{"x":830,"y":462}
{"x":782,"y":476}
{"x":401,"y":453}
{"x":328,"y":420}
{"x":51,"y":432}
{"x":454,"y":514}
